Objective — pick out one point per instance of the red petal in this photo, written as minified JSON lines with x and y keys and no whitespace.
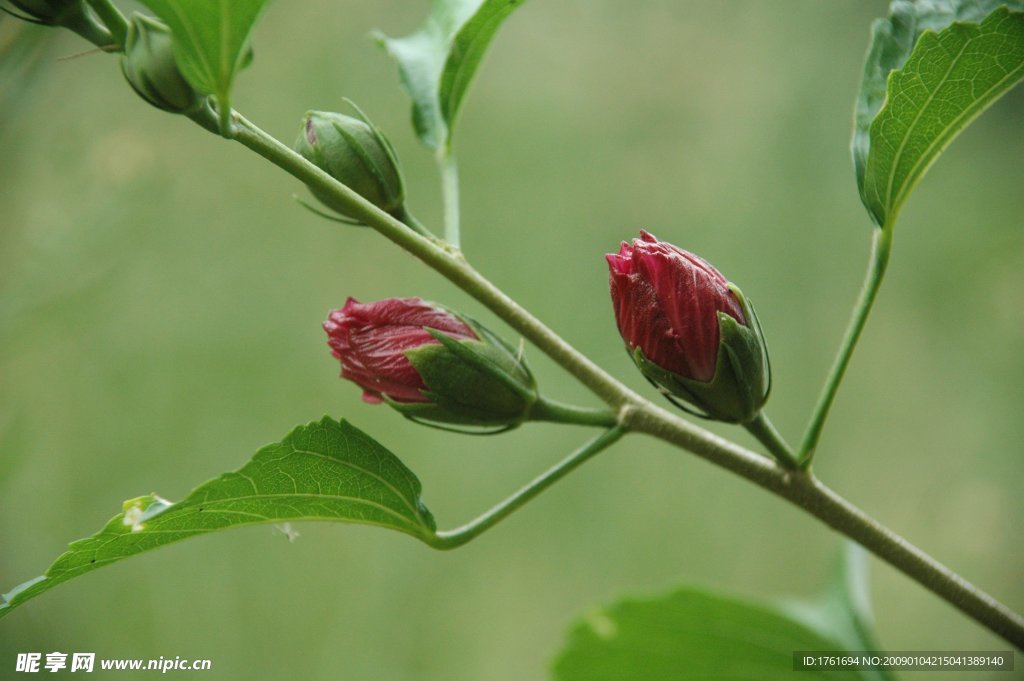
{"x":666,"y":303}
{"x":371,"y":340}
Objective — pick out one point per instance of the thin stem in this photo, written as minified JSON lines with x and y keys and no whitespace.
{"x":113,"y":20}
{"x":225,"y":118}
{"x":205,"y":117}
{"x":881,"y":248}
{"x":557,"y":412}
{"x":453,"y":538}
{"x":761,"y":428}
{"x":414,"y":224}
{"x":637,"y":413}
{"x":85,"y":24}
{"x":450,"y":194}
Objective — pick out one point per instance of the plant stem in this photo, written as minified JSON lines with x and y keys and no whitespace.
{"x":454,"y":538}
{"x":637,"y":413}
{"x":450,"y":194}
{"x":881,"y":248}
{"x":417,"y":226}
{"x":113,"y":20}
{"x":761,"y":428}
{"x":557,"y":412}
{"x":85,"y":24}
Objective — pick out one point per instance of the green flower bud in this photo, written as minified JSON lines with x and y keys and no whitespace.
{"x":52,"y":12}
{"x":71,"y":14}
{"x":355,"y":153}
{"x":149,"y":66}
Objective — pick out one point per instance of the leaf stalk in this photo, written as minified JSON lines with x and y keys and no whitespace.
{"x":113,"y":19}
{"x":763,"y":429}
{"x":450,"y":194}
{"x":881,"y":248}
{"x":451,"y":539}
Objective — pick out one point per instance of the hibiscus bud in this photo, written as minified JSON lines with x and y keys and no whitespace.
{"x":430,"y":363}
{"x":71,"y":14}
{"x":355,"y":153}
{"x":689,"y":331}
{"x":50,"y":12}
{"x":148,"y":65}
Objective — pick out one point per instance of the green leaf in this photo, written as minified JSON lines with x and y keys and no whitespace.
{"x":892,"y":40}
{"x":698,"y":634}
{"x":690,"y":634}
{"x":437,"y":63}
{"x":210,"y":43}
{"x":327,"y":470}
{"x":843,"y":611}
{"x":935,"y":83}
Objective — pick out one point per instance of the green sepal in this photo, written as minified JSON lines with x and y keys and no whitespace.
{"x":149,"y":67}
{"x":476,"y":383}
{"x":74,"y":15}
{"x":496,"y":361}
{"x":50,"y":12}
{"x":356,"y":153}
{"x":386,"y":146}
{"x":742,"y":380}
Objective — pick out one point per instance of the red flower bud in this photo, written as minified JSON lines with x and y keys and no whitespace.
{"x":688,"y":329}
{"x":431,"y":364}
{"x":371,"y":341}
{"x":667,"y":302}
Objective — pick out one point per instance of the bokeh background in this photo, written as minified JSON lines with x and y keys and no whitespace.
{"x":161,"y":297}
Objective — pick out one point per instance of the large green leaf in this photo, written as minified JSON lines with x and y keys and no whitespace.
{"x":697,"y":634}
{"x":210,"y":42}
{"x":892,"y":40}
{"x":437,"y":63}
{"x":322,"y":471}
{"x":843,"y":611}
{"x":930,"y":70}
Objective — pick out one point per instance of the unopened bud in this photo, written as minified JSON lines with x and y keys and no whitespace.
{"x":689,"y":331}
{"x":355,"y":153}
{"x":149,"y":66}
{"x":430,"y":363}
{"x":71,"y":14}
{"x":53,"y":12}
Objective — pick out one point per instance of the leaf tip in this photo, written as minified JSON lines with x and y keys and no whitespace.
{"x":378,"y":37}
{"x":601,"y":625}
{"x":7,"y":600}
{"x":327,"y":421}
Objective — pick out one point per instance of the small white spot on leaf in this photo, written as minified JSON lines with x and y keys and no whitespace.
{"x":602,"y":625}
{"x":133,"y":516}
{"x":287,"y":530}
{"x":156,"y":506}
{"x":137,"y":511}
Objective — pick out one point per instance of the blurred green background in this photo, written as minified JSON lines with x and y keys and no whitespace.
{"x":161,"y":297}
